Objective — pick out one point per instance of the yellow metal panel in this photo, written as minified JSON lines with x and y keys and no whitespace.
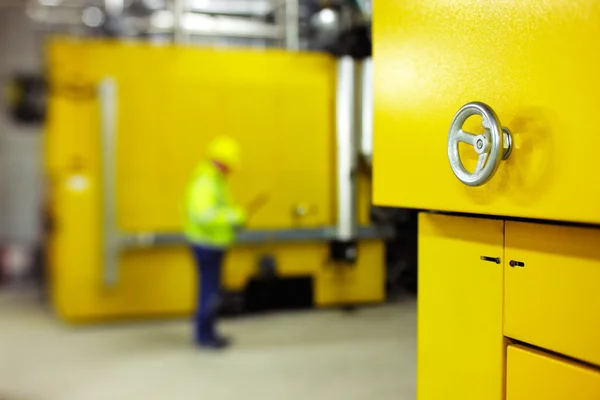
{"x":530,"y":61}
{"x":360,"y":283}
{"x":532,"y":374}
{"x":73,"y":245}
{"x":552,"y":301}
{"x":171,"y":102}
{"x":163,"y":281}
{"x":460,"y":343}
{"x":334,"y":283}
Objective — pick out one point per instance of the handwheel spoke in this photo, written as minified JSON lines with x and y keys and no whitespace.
{"x":481,"y":162}
{"x":466,"y":137}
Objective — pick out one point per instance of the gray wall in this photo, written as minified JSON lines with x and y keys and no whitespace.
{"x":21,"y":147}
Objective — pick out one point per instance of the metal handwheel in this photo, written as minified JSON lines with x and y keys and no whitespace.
{"x":492,"y":146}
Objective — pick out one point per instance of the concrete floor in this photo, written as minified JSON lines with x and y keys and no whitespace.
{"x":365,"y":355}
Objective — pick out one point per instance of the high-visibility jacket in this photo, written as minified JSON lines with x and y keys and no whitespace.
{"x":211,"y":216}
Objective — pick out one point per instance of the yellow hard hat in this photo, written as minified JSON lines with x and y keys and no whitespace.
{"x":225,"y":150}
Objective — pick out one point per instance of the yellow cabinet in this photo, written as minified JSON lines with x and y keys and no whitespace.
{"x":532,"y":374}
{"x":532,"y":62}
{"x":460,"y":342}
{"x":552,"y":300}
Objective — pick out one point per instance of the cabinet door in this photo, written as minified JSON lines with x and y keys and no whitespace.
{"x":533,"y":374}
{"x":460,"y":342}
{"x":531,"y":61}
{"x":551,"y":298}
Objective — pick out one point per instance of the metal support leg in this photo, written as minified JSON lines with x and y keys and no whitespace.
{"x":107,"y":95}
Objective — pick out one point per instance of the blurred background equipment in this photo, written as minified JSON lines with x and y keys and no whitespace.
{"x":293,"y":24}
{"x":91,"y":197}
{"x":15,"y":262}
{"x":127,"y":117}
{"x":25,"y":98}
{"x":118,"y":173}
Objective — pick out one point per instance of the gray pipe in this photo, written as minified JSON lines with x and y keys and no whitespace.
{"x":346,"y":149}
{"x":107,"y":93}
{"x":114,"y":8}
{"x":293,"y":235}
{"x":292,"y":25}
{"x":365,"y":109}
{"x":179,"y":11}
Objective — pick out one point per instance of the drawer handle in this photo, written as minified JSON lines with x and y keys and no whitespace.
{"x":491,"y":259}
{"x":514,"y":263}
{"x":492,"y":146}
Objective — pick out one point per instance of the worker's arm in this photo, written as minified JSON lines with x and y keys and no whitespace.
{"x":206,"y":208}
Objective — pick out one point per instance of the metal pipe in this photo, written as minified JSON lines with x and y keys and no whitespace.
{"x":365,"y":109}
{"x":64,"y":16}
{"x":247,"y":8}
{"x":346,"y":149}
{"x":292,"y":25}
{"x":204,"y":25}
{"x":107,"y":93}
{"x":150,"y":240}
{"x":114,"y":8}
{"x":227,"y":26}
{"x":114,"y":17}
{"x":179,"y":9}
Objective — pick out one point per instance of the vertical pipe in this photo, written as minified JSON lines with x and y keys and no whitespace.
{"x":292,"y":25}
{"x":114,"y":16}
{"x":179,"y":9}
{"x":346,"y":149}
{"x":114,"y":8}
{"x":279,"y":7}
{"x":366,"y":109}
{"x":107,"y":95}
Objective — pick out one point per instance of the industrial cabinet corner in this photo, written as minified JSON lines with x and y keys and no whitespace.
{"x":484,"y":116}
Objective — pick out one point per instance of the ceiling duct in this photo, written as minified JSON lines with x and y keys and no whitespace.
{"x":273,"y":22}
{"x":240,"y":8}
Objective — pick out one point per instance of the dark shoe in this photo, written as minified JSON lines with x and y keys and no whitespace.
{"x":218,"y":343}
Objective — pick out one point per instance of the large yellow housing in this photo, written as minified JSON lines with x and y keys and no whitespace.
{"x":170,"y":101}
{"x":508,"y":298}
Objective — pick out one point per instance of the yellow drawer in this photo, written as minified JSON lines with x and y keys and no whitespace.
{"x":553,"y":300}
{"x":533,"y":375}
{"x":530,"y":61}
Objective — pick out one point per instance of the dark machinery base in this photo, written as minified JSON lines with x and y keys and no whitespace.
{"x":344,"y":251}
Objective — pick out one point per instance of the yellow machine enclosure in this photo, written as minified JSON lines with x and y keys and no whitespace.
{"x":171,"y":101}
{"x":531,"y":62}
{"x":485,"y":281}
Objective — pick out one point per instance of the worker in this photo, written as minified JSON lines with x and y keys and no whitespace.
{"x":211,"y":225}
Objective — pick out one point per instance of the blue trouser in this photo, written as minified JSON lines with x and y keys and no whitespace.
{"x":208,"y":267}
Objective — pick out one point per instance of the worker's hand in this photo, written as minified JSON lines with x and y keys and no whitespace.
{"x":241,"y":222}
{"x":241,"y":218}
